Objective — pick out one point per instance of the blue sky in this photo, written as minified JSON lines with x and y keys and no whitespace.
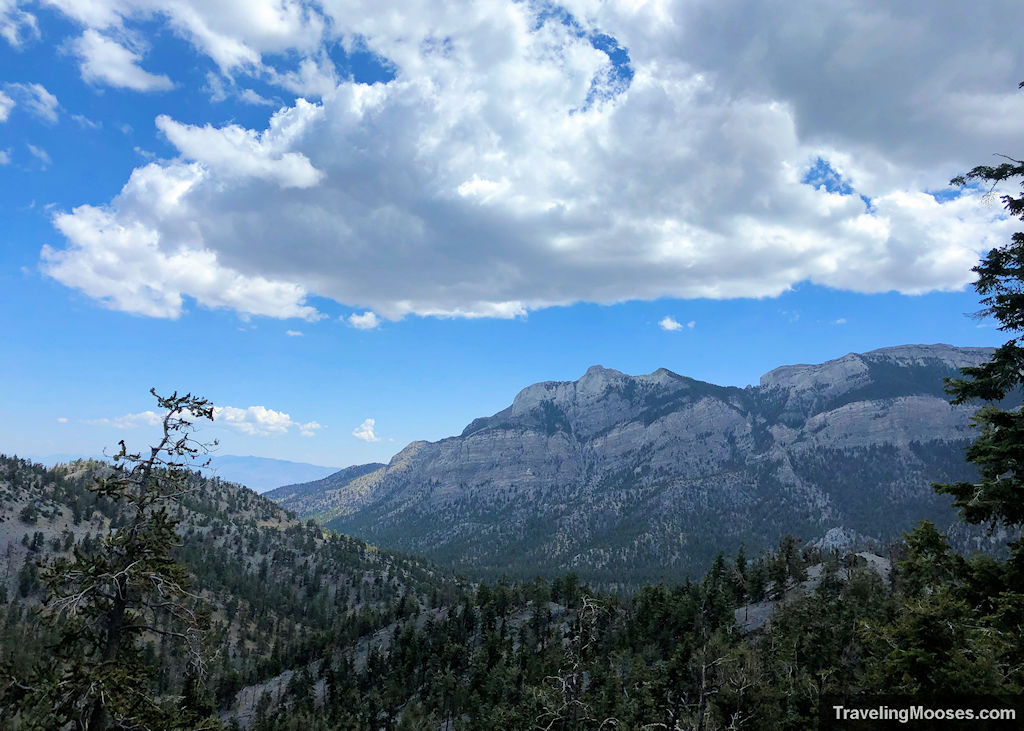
{"x":319,"y":215}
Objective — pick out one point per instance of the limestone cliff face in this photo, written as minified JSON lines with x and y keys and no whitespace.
{"x":623,"y":478}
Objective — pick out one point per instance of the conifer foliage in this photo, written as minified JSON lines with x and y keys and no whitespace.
{"x":998,"y":498}
{"x":103,"y":604}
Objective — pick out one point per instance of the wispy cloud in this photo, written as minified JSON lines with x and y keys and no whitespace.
{"x":40,"y":154}
{"x":103,"y":60}
{"x":251,"y":97}
{"x":16,"y":23}
{"x":36,"y":99}
{"x":310,"y":428}
{"x":129,"y":421}
{"x":221,"y":88}
{"x":293,"y":333}
{"x":6,"y":105}
{"x":86,"y":122}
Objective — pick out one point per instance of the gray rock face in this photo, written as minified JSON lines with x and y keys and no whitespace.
{"x":627,"y":478}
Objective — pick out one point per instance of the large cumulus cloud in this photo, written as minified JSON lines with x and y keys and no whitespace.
{"x":519,"y":160}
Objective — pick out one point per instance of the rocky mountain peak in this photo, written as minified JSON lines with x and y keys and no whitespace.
{"x":613,"y":473}
{"x":661,"y":377}
{"x":853,"y":370}
{"x":599,"y":371}
{"x":597,"y":379}
{"x":804,"y":376}
{"x":403,"y":458}
{"x":565,"y":394}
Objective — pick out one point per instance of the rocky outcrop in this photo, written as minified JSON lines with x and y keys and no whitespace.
{"x":629,"y":478}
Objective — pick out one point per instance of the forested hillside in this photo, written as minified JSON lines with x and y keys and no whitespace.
{"x":317,"y":631}
{"x":274,"y":589}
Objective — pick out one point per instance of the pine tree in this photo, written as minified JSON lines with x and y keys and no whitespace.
{"x":103,"y":604}
{"x":998,"y":498}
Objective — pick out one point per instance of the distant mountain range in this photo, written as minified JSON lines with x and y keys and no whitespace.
{"x":631,"y":478}
{"x":262,"y":473}
{"x":256,"y":473}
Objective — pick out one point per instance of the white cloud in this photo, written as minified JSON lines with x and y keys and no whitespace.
{"x":129,"y":421}
{"x":86,"y":122}
{"x":116,"y":255}
{"x":16,"y":24}
{"x":310,"y":428}
{"x":5,"y":157}
{"x":62,"y":420}
{"x":216,"y":87}
{"x":365,"y":431}
{"x":234,"y":152}
{"x":313,"y":78}
{"x":6,"y":105}
{"x":261,"y":421}
{"x":510,"y":165}
{"x":233,"y":34}
{"x":672,"y":325}
{"x":365,"y":321}
{"x":104,"y":61}
{"x":251,"y":97}
{"x":40,"y":154}
{"x":36,"y":99}
{"x":220,"y":88}
{"x":840,"y":321}
{"x":293,"y":333}
{"x":253,"y":421}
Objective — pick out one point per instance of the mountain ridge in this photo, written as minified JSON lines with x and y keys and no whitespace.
{"x":258,"y":473}
{"x":610,"y":474}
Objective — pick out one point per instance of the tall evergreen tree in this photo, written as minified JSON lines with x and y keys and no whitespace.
{"x":998,"y":498}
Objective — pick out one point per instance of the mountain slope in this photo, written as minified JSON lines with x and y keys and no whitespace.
{"x":313,"y":499}
{"x":277,"y":590}
{"x":629,"y":478}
